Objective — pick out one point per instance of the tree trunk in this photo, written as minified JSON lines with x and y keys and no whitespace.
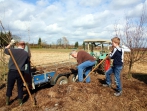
{"x":129,"y":71}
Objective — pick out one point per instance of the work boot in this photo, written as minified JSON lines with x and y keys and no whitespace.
{"x":118,"y":93}
{"x":106,"y":85}
{"x":20,"y":102}
{"x":7,"y":100}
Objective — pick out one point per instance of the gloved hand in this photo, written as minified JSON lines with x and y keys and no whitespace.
{"x":12,"y":42}
{"x":110,"y":52}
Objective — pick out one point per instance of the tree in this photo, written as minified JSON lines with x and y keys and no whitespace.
{"x":59,"y":42}
{"x":65,"y":42}
{"x":5,"y":38}
{"x":44,"y":44}
{"x":39,"y":41}
{"x":76,"y":44}
{"x":84,"y":45}
{"x":134,"y":37}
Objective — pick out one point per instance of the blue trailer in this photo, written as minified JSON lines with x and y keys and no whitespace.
{"x":63,"y":73}
{"x":40,"y":79}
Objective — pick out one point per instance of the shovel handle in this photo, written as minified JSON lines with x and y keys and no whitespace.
{"x":96,"y":67}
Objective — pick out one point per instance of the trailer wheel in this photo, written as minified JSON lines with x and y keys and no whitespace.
{"x":62,"y":80}
{"x":72,"y":78}
{"x":105,"y":65}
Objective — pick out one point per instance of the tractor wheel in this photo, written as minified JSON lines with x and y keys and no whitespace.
{"x":62,"y":80}
{"x":72,"y":78}
{"x":105,"y":65}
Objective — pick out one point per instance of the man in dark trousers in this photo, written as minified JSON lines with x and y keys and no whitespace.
{"x":21,"y":57}
{"x":85,"y":63}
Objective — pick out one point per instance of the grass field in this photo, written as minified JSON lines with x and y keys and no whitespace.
{"x":47,"y":56}
{"x":52,"y":50}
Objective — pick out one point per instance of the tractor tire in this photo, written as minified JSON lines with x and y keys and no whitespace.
{"x":72,"y":78}
{"x":105,"y":66}
{"x":62,"y":80}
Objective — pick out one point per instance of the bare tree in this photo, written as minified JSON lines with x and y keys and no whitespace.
{"x":59,"y":42}
{"x":44,"y":44}
{"x":134,"y":36}
{"x":65,"y":42}
{"x":5,"y":38}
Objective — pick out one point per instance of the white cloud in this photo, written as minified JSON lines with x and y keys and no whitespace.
{"x":9,"y":12}
{"x":42,"y":2}
{"x":77,"y":32}
{"x":90,"y":2}
{"x":109,"y":27}
{"x":86,"y":20}
{"x":126,"y":2}
{"x":112,"y":27}
{"x":51,"y":8}
{"x":120,"y":4}
{"x":19,"y":25}
{"x":74,"y":19}
{"x":93,"y":34}
{"x":136,"y":11}
{"x":53,"y":28}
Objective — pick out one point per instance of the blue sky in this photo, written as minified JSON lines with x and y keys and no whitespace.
{"x":74,"y":19}
{"x":30,"y":1}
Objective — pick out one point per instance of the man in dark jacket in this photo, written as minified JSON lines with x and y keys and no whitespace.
{"x":21,"y":57}
{"x":85,"y":63}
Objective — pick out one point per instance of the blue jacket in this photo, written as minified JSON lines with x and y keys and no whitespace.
{"x":117,"y":56}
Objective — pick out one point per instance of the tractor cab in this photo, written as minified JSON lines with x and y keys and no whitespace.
{"x":99,"y":48}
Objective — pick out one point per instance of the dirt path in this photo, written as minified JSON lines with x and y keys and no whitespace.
{"x":82,"y":97}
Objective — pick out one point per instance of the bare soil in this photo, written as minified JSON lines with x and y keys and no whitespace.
{"x":84,"y":96}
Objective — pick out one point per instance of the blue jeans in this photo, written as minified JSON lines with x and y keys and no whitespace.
{"x":85,"y":67}
{"x":117,"y":71}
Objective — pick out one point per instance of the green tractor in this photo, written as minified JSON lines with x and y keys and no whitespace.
{"x":99,"y":48}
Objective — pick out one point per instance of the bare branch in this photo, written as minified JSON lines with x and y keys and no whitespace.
{"x":134,"y":37}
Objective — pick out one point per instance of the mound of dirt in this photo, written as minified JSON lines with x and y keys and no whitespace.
{"x":81,"y":97}
{"x":59,"y":68}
